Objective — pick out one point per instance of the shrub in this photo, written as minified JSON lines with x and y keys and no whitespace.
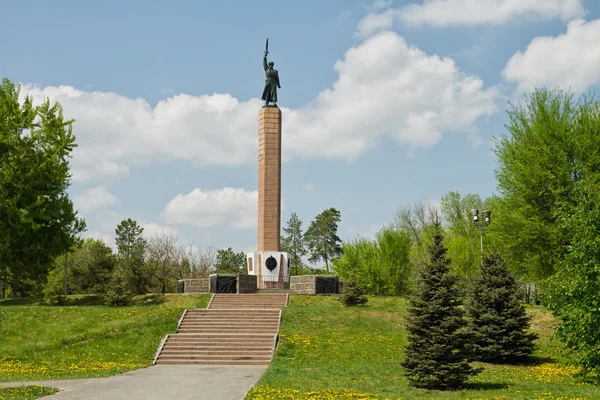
{"x":352,"y":294}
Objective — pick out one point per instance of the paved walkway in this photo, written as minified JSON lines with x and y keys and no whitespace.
{"x":160,"y":382}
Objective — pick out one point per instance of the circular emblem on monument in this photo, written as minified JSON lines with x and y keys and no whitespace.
{"x":271,"y":263}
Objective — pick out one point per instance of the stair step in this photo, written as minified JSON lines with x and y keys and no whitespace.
{"x":215,"y":347}
{"x":212,"y":362}
{"x":171,"y":352}
{"x":215,"y":357}
{"x":236,"y":329}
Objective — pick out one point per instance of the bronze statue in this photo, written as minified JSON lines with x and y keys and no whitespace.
{"x":272,"y":82}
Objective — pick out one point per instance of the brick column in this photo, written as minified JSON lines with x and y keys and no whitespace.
{"x":269,"y":178}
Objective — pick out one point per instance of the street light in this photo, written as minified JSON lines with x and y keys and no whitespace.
{"x":485,"y":214}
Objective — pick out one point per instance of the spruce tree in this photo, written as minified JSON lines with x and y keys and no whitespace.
{"x":498,"y":321}
{"x":436,"y":352}
{"x":352,"y":294}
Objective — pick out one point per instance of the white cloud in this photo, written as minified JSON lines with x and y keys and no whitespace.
{"x":385,"y":88}
{"x":153,"y":229}
{"x":388,"y":88}
{"x":470,"y":12}
{"x":570,"y":60}
{"x":309,"y":187}
{"x":375,"y":22}
{"x":94,"y":199}
{"x":113,"y":130}
{"x":237,"y":208}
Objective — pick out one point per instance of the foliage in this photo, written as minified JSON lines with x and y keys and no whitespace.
{"x":293,"y":243}
{"x":417,"y":220}
{"x":462,"y":237}
{"x":436,"y":352}
{"x":352,"y":294}
{"x":498,"y":321}
{"x":38,"y":219}
{"x":131,"y":267}
{"x":575,"y":289}
{"x":85,"y":340}
{"x":381,"y":266}
{"x":229,"y":262}
{"x":321,"y":237}
{"x":90,"y":268}
{"x":552,"y":143}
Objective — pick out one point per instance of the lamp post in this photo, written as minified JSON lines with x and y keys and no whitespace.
{"x":485,"y":214}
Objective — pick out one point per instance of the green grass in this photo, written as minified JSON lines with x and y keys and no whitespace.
{"x":327,"y":351}
{"x":81,"y":339}
{"x":26,"y":392}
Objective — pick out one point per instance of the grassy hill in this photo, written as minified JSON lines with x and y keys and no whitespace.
{"x":82,"y":339}
{"x":327,"y":351}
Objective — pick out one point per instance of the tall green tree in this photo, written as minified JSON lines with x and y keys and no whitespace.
{"x":539,"y":161}
{"x":230,"y":262}
{"x":575,"y":288}
{"x":498,"y":322}
{"x":37,"y":218}
{"x":293,"y":242}
{"x":131,"y":247}
{"x":321,"y":237}
{"x":436,"y":355}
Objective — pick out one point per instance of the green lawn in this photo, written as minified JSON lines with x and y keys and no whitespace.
{"x":83,"y":340}
{"x":26,"y":392}
{"x":327,"y":351}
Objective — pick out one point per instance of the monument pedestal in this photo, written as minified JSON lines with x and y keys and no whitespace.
{"x":272,"y":269}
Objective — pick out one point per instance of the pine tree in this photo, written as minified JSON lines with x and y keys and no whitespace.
{"x":436,"y":352}
{"x":293,"y":242}
{"x":321,"y":237}
{"x":498,"y":320}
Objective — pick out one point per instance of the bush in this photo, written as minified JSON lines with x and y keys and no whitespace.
{"x":117,"y":293}
{"x":352,"y":294}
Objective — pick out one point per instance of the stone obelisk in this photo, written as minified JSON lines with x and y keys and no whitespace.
{"x":269,"y":264}
{"x":269,"y":179}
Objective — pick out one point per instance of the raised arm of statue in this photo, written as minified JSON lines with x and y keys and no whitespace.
{"x":265,"y":61}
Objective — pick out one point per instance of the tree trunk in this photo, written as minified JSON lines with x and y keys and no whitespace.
{"x":3,"y":290}
{"x":14,"y":286}
{"x":66,"y":282}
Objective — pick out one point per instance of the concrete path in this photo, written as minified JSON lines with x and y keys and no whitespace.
{"x":160,"y":382}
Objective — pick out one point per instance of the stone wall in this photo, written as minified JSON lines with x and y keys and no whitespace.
{"x":303,"y":284}
{"x":307,"y":284}
{"x":200,"y":285}
{"x":246,"y":283}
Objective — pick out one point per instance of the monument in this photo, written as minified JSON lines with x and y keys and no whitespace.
{"x":269,"y":264}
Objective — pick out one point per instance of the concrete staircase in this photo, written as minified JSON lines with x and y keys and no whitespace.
{"x":235,"y":329}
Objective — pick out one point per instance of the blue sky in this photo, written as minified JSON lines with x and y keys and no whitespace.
{"x":384,"y":102}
